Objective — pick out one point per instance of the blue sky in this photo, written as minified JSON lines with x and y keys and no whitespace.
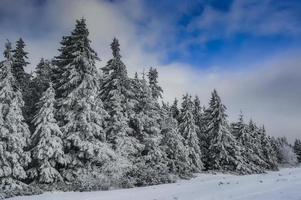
{"x":256,"y":32}
{"x":249,"y":50}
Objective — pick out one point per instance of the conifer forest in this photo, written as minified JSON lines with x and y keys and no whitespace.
{"x":74,"y":126}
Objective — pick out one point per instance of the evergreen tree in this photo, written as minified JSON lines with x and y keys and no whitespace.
{"x":151,"y":166}
{"x":156,"y":90}
{"x":172,"y":144}
{"x":237,"y":128}
{"x":22,"y":78}
{"x":80,"y":112}
{"x":37,"y":86}
{"x":297,"y":149}
{"x":224,"y":150}
{"x":198,"y":115}
{"x":14,"y":133}
{"x":269,"y":155}
{"x":241,"y":131}
{"x":115,"y":94}
{"x":115,"y":79}
{"x":175,"y":110}
{"x":47,"y":151}
{"x":188,"y":130}
{"x":19,"y":63}
{"x":43,"y":76}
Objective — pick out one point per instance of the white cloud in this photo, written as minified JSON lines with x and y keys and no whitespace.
{"x":269,"y":94}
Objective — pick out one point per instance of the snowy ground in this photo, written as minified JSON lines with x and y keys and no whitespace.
{"x":282,"y":185}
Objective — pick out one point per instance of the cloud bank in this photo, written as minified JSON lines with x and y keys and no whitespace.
{"x":265,"y":88}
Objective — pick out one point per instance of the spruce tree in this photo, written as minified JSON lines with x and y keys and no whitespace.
{"x":188,"y":130}
{"x":37,"y":86}
{"x":47,"y":143}
{"x":22,"y":78}
{"x":175,"y":110}
{"x":81,"y":113}
{"x":156,"y":90}
{"x":151,"y":166}
{"x":115,"y":93}
{"x":19,"y":63}
{"x":241,"y":131}
{"x":269,"y":155}
{"x":198,"y":115}
{"x":173,"y":146}
{"x":224,"y":152}
{"x":297,"y":149}
{"x":14,"y":133}
{"x":115,"y":79}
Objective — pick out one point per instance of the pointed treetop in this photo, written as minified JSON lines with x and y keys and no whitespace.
{"x":241,"y":117}
{"x":20,"y":44}
{"x":81,"y":27}
{"x":143,"y":74}
{"x":8,"y":50}
{"x":197,"y":101}
{"x":115,"y":48}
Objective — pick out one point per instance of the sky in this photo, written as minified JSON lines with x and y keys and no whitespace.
{"x":249,"y":50}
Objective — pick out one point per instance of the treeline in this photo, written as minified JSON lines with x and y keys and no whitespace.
{"x":70,"y":126}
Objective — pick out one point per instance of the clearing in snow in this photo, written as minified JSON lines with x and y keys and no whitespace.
{"x":282,"y":185}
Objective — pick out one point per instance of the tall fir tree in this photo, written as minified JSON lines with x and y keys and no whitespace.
{"x":224,"y":152}
{"x":14,"y":133}
{"x":156,"y":90}
{"x":38,"y":85}
{"x":175,"y":109}
{"x":188,"y":130}
{"x":23,"y":79}
{"x":241,"y":131}
{"x":269,"y":155}
{"x":151,"y":165}
{"x":115,"y":93}
{"x":198,"y":115}
{"x":81,"y":113}
{"x":173,"y":146}
{"x":19,"y":63}
{"x":47,"y":142}
{"x":115,"y":79}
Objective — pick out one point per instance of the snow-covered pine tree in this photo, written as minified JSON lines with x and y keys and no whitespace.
{"x":115,"y":79}
{"x":19,"y":63}
{"x":43,"y":75}
{"x":14,"y":133}
{"x":241,"y":132}
{"x":48,"y":151}
{"x":297,"y":149}
{"x":198,"y":115}
{"x":188,"y":130}
{"x":151,"y":165}
{"x":22,"y":78}
{"x":269,"y":155}
{"x":172,"y":144}
{"x":224,"y":150}
{"x":37,"y":86}
{"x":156,"y":90}
{"x":175,"y":110}
{"x":237,"y":127}
{"x":115,"y":93}
{"x":80,"y":112}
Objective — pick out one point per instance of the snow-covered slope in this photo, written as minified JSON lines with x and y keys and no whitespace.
{"x":282,"y":185}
